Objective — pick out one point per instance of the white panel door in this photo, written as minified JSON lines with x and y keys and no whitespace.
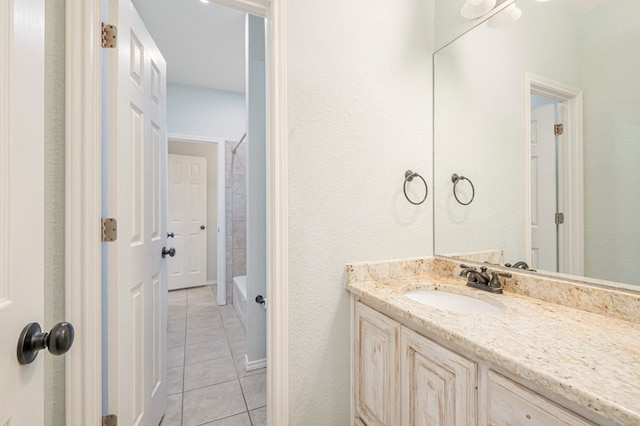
{"x":543,"y":189}
{"x":21,"y":205}
{"x":187,"y":220}
{"x":137,"y":199}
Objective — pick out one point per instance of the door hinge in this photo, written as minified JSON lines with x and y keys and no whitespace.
{"x":110,"y":420}
{"x":558,"y":129}
{"x":559,"y":218}
{"x":109,"y":229}
{"x":109,"y":36}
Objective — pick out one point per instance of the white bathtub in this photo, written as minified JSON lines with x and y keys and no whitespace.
{"x":240,"y":298}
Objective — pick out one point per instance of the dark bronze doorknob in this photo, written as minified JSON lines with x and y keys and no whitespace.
{"x":32,"y":340}
{"x":170,"y":235}
{"x":201,"y":226}
{"x":165,"y":251}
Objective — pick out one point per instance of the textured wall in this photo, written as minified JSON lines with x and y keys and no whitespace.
{"x":480,"y":126}
{"x":54,"y":410}
{"x":611,"y":66}
{"x":210,"y":152}
{"x":359,"y":87}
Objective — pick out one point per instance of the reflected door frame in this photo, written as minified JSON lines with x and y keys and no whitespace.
{"x":571,"y":178}
{"x":83,"y":171}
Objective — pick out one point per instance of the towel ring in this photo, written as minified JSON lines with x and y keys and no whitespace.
{"x":456,"y":179}
{"x":408,"y":177}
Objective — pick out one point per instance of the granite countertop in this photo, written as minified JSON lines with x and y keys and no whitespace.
{"x":590,"y":359}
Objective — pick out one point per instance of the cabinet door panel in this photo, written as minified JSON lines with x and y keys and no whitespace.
{"x":376,"y":367}
{"x":438,"y":386}
{"x":510,"y":404}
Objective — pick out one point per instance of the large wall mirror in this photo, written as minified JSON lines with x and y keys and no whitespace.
{"x":541,"y":116}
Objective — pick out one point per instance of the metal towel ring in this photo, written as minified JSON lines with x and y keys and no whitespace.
{"x":456,"y":179}
{"x":408,"y":177}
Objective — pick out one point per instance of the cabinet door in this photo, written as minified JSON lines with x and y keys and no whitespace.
{"x":438,"y":386}
{"x":507,"y":403}
{"x":376,"y":367}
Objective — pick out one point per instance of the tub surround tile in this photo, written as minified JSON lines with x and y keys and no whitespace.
{"x":586,"y":357}
{"x":174,"y":380}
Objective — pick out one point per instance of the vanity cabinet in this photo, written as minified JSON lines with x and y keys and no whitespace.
{"x":505,"y":402}
{"x":438,"y":387}
{"x":376,"y":368}
{"x":404,"y":378}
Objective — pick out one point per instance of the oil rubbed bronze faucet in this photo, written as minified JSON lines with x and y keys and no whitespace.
{"x":520,"y":265}
{"x":480,"y":279}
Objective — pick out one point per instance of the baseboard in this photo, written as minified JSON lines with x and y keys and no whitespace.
{"x":254,"y":365}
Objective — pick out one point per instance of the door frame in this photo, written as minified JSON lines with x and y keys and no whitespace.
{"x":571,"y":187}
{"x":221,"y":246}
{"x":83,"y":200}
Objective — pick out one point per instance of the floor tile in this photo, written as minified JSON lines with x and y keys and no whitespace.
{"x":254,"y":389}
{"x":175,"y":339}
{"x":207,"y":350}
{"x":205,"y":321}
{"x":176,"y":312}
{"x":212,"y":403}
{"x":174,"y":380}
{"x":175,"y":357}
{"x":173,"y":415}
{"x":259,"y":416}
{"x":176,"y":325}
{"x":209,"y":373}
{"x":203,"y":334}
{"x":237,"y":420}
{"x":201,"y":310}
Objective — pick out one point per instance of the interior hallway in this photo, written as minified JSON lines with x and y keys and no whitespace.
{"x":207,"y":382}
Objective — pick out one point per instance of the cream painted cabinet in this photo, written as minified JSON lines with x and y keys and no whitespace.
{"x":376,"y":368}
{"x":438,"y":387}
{"x":504,"y":402}
{"x":403,"y":378}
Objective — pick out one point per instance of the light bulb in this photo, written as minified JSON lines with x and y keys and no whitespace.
{"x":473,"y":9}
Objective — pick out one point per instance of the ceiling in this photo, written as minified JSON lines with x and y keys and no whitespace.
{"x":203,"y":43}
{"x":582,"y":6}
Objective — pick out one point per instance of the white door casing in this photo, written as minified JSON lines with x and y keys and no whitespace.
{"x":187,"y":212}
{"x":543,"y":188}
{"x":21,"y":205}
{"x":571,"y":169}
{"x":137,"y":196}
{"x":83,"y":171}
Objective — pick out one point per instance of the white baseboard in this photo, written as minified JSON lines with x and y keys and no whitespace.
{"x":254,"y":365}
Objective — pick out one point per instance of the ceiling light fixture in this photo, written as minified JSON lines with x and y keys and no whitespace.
{"x":505,"y":17}
{"x":473,"y":9}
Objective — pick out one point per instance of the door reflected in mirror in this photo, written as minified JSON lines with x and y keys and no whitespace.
{"x":564,"y":202}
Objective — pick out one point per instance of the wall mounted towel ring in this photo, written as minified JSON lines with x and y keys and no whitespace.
{"x":456,"y":179}
{"x":408,"y":177}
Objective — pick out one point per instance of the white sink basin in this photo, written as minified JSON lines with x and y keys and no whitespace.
{"x":453,"y":302}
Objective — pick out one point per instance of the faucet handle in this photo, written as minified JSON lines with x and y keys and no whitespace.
{"x":495,"y":279}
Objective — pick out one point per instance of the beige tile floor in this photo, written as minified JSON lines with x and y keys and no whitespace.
{"x":207,"y":381}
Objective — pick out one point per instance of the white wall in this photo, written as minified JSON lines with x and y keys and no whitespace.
{"x":205,"y":112}
{"x":480,"y":126}
{"x":359,"y":92}
{"x":210,"y":152}
{"x":256,"y":189}
{"x":610,"y":44}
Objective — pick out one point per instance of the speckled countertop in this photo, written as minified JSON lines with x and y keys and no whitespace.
{"x":588,"y":358}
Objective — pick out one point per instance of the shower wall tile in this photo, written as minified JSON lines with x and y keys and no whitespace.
{"x":239,"y":208}
{"x":239,"y":262}
{"x":239,"y":235}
